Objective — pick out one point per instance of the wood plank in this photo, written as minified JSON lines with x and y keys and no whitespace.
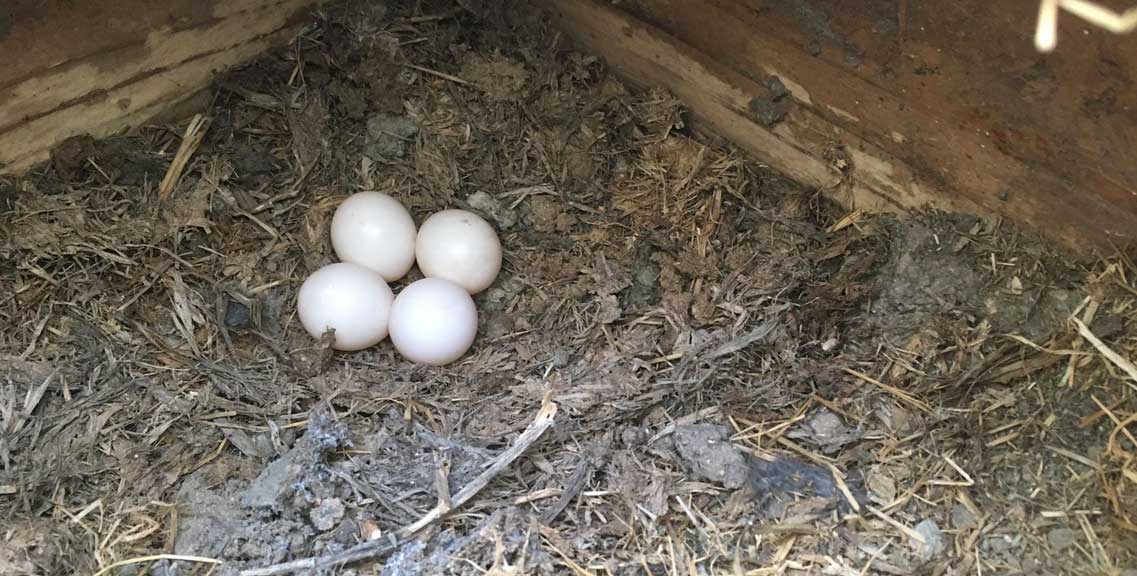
{"x":101,"y":67}
{"x":50,"y":33}
{"x":720,"y":98}
{"x":912,"y":145}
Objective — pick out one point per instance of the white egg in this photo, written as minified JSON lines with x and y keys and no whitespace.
{"x":353,"y":300}
{"x":461,"y":247}
{"x":433,"y":321}
{"x":375,"y":230}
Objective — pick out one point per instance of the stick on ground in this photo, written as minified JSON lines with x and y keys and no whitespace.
{"x":542,"y":422}
{"x":192,"y":139}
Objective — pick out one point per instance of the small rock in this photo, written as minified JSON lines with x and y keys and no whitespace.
{"x":561,"y":357}
{"x":827,"y":426}
{"x":389,"y":136}
{"x":69,"y":157}
{"x":961,"y":517}
{"x":238,"y":316}
{"x":490,"y":206}
{"x":1061,"y":538}
{"x":494,"y":295}
{"x":933,"y":544}
{"x":633,"y":436}
{"x":327,"y":515}
{"x":767,"y":111}
{"x":882,"y":486}
{"x":273,"y":484}
{"x":1031,"y":565}
{"x":646,"y":274}
{"x":708,"y":453}
{"x":1000,"y":543}
{"x":251,"y":161}
{"x":825,"y":430}
{"x":609,"y":309}
{"x":776,"y":87}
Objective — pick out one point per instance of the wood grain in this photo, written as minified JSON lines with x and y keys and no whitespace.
{"x":941,"y":110}
{"x":104,"y":66}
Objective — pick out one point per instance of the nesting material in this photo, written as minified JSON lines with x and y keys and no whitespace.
{"x":746,"y":378}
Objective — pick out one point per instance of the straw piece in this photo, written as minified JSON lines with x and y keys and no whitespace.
{"x":542,"y":422}
{"x":155,"y":558}
{"x":906,"y":397}
{"x":1117,"y":359}
{"x":190,"y":142}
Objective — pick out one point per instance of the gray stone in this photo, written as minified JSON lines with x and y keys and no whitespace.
{"x":933,"y":544}
{"x":327,"y":515}
{"x":389,"y":136}
{"x":708,"y":453}
{"x":485,"y":203}
{"x":1061,"y":538}
{"x":961,"y":517}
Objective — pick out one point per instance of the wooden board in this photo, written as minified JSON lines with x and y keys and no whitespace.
{"x":906,"y":104}
{"x":98,"y":67}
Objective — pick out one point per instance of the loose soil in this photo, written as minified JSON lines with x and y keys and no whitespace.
{"x":748,"y":379}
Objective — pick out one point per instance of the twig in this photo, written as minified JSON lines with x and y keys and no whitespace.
{"x":1117,"y":359}
{"x":293,"y":191}
{"x":848,"y":220}
{"x":919,"y":404}
{"x":1073,"y":456}
{"x":902,"y":528}
{"x":442,"y":484}
{"x":742,"y":342}
{"x":192,"y":139}
{"x":1120,"y":427}
{"x":595,"y":459}
{"x":692,"y":418}
{"x":107,"y":569}
{"x":839,"y":479}
{"x":442,"y":75}
{"x":542,"y":422}
{"x":229,"y":200}
{"x":576,"y":568}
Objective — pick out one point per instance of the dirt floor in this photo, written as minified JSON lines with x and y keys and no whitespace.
{"x":746,"y":379}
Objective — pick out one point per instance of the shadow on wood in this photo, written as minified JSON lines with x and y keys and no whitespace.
{"x":890,"y":105}
{"x":101,"y":66}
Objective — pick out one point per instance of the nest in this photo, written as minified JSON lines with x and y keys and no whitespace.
{"x":688,"y":365}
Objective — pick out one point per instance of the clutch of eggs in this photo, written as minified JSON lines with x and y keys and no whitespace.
{"x":431,"y":321}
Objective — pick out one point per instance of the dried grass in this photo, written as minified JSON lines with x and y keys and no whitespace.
{"x":655,"y":283}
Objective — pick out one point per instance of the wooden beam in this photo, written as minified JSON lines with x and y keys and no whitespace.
{"x":889,"y":146}
{"x":104,"y":66}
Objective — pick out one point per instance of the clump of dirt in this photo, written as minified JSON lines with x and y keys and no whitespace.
{"x":747,"y":377}
{"x":938,"y":265}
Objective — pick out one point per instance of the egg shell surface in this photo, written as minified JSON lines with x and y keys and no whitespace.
{"x":459,"y":246}
{"x":376,"y":231}
{"x":433,"y":321}
{"x":353,"y":300}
